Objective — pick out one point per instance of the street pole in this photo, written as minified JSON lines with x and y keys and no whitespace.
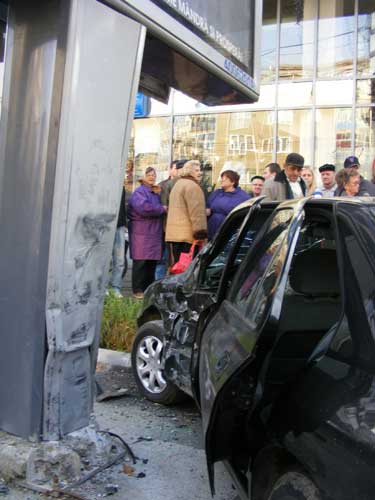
{"x":71,"y":76}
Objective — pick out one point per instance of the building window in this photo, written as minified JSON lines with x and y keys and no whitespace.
{"x":240,"y":144}
{"x":205,"y":142}
{"x":267,"y":145}
{"x":240,"y":120}
{"x":283,"y":145}
{"x":294,"y":132}
{"x":297,"y":39}
{"x":336,"y":38}
{"x":333,"y":136}
{"x":269,"y":41}
{"x":365,"y":139}
{"x":366,"y":38}
{"x":344,"y":140}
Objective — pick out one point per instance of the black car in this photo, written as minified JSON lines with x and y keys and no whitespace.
{"x":271,"y":330}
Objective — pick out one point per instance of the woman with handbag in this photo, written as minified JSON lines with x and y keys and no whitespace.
{"x":145,"y":213}
{"x":186,"y":220}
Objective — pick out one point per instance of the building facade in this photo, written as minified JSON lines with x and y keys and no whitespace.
{"x":317,"y":97}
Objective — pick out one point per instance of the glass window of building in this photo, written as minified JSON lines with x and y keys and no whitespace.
{"x":294,"y":131}
{"x":365,"y":92}
{"x":326,"y":116}
{"x":365,"y":139}
{"x":150,"y":146}
{"x":336,"y":38}
{"x":366,"y":38}
{"x":240,"y":141}
{"x":333,"y":136}
{"x":269,"y":41}
{"x":297,"y":39}
{"x":334,"y":92}
{"x":295,"y":94}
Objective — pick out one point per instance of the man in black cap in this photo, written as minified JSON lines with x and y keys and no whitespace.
{"x":327,"y":175}
{"x":288,"y":184}
{"x":366,"y":187}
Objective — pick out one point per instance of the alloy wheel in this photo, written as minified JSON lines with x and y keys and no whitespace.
{"x":149,"y":364}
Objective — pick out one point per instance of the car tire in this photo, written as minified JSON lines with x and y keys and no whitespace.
{"x":147,"y":368}
{"x":294,"y":485}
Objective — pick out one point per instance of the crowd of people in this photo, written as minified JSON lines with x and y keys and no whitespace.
{"x":163,"y":220}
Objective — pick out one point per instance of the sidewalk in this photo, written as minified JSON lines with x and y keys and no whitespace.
{"x":167,"y":442}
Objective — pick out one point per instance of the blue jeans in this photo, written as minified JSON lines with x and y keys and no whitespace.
{"x":161,"y":267}
{"x":118,"y":259}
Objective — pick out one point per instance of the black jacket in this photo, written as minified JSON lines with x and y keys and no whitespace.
{"x":122,"y":218}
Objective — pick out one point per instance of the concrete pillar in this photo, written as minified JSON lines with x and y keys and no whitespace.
{"x":71,"y":76}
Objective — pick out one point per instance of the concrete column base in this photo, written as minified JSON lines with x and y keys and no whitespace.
{"x":55,"y":463}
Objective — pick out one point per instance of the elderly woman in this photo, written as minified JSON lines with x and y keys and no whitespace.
{"x":308,"y":176}
{"x":349,"y":181}
{"x":186,"y":219}
{"x":145,"y":213}
{"x":223,"y":200}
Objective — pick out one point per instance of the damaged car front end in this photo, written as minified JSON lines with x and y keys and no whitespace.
{"x":175,"y":309}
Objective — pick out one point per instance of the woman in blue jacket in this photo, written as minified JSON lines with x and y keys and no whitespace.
{"x":223,"y":200}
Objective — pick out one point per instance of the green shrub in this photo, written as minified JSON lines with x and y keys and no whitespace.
{"x":119,"y":322}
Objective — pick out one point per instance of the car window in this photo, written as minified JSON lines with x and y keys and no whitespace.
{"x":257,"y":276}
{"x":214,"y":267}
{"x":309,"y":307}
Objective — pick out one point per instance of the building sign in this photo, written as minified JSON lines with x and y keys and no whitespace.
{"x":142,"y":106}
{"x":221,"y":36}
{"x":223,"y":25}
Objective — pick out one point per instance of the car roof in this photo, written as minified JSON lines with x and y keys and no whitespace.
{"x":365,"y":201}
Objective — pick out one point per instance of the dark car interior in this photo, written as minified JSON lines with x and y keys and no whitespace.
{"x":312,"y":302}
{"x":213,"y":269}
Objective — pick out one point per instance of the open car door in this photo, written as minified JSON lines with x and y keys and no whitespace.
{"x":229,"y":342}
{"x":195,"y":298}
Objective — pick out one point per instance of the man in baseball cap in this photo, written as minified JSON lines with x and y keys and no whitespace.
{"x":327,"y":175}
{"x":365,"y":187}
{"x":288,"y":184}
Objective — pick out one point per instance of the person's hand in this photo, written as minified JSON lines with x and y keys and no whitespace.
{"x":165,"y":208}
{"x":208,"y":212}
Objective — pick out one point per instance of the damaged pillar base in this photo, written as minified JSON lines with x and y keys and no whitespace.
{"x":55,"y":463}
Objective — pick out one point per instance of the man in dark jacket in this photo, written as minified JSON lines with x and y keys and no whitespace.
{"x":288,"y":184}
{"x":366,"y":188}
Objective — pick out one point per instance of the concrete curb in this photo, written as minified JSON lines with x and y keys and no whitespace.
{"x":114,"y":358}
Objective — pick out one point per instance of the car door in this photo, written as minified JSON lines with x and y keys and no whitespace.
{"x":196,"y":296}
{"x":229,"y":342}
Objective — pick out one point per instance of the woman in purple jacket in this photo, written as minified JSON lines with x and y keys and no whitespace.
{"x":223,"y":200}
{"x":145,"y":213}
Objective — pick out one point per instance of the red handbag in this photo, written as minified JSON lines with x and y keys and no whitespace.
{"x":185,"y":259}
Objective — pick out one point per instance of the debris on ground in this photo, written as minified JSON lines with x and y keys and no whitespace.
{"x":129,"y":470}
{"x":111,"y":489}
{"x":141,"y":438}
{"x":117,"y":393}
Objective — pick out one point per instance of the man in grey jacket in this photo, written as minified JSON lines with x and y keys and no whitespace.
{"x":287,"y":184}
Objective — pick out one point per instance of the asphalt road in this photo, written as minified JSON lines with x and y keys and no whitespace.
{"x":167,"y":442}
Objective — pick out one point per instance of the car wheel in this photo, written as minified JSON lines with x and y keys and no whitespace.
{"x":294,"y":485}
{"x":147,"y":365}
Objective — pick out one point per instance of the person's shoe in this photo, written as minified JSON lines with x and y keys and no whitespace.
{"x":117,"y":293}
{"x":138,"y":296}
